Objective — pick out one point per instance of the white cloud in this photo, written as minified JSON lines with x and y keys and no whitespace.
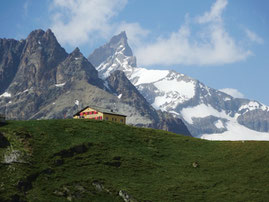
{"x":26,"y":7}
{"x":214,"y":45}
{"x":75,"y":22}
{"x":253,"y":37}
{"x":232,"y":92}
{"x":215,"y":49}
{"x":215,"y":13}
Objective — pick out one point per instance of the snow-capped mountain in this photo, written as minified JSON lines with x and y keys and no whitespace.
{"x":208,"y":113}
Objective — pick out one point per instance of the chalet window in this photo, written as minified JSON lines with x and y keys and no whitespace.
{"x":90,"y":112}
{"x":121,"y":120}
{"x":107,"y":118}
{"x":115,"y":119}
{"x":112,"y":119}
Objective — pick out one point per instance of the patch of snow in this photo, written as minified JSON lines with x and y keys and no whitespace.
{"x":202,"y":111}
{"x":182,"y":87}
{"x":53,"y":103}
{"x":235,"y":131}
{"x":147,"y":76}
{"x":172,"y":93}
{"x":118,"y":61}
{"x":227,"y":99}
{"x":77,"y":102}
{"x":60,"y":84}
{"x":10,"y":102}
{"x":159,"y":102}
{"x":39,"y":42}
{"x":252,"y":105}
{"x":219,"y":124}
{"x":264,"y":108}
{"x":119,"y":96}
{"x":5,"y":94}
{"x":76,"y":58}
{"x":174,"y":112}
{"x":106,"y":85}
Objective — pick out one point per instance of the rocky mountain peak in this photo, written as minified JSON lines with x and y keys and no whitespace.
{"x":121,"y":38}
{"x":40,"y":38}
{"x":76,"y":53}
{"x":77,"y":68}
{"x":117,"y":47}
{"x":40,"y":56}
{"x":120,"y":43}
{"x":115,"y":55}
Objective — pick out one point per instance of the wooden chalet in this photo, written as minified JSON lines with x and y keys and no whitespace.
{"x":99,"y":113}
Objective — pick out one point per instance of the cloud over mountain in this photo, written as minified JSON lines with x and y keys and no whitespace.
{"x":232,"y":92}
{"x":78,"y":21}
{"x":213,"y":46}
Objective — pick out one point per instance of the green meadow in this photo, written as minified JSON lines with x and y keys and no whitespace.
{"x":88,"y":160}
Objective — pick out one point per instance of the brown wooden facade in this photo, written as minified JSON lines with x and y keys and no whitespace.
{"x":99,"y":114}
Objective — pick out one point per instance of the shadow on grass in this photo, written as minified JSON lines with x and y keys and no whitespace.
{"x":3,"y":124}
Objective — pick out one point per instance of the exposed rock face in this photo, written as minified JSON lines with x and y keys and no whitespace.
{"x":77,"y":67}
{"x":13,"y":156}
{"x":40,"y":57}
{"x":126,"y":197}
{"x":10,"y":53}
{"x":171,"y":123}
{"x":128,"y":93}
{"x":256,"y":120}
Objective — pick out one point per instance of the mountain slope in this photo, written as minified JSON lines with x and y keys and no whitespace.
{"x":128,"y":94}
{"x":208,"y":113}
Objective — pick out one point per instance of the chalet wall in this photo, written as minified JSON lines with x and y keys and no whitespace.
{"x":90,"y":113}
{"x":115,"y":118}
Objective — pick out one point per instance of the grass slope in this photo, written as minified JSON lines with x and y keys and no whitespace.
{"x":87,"y":160}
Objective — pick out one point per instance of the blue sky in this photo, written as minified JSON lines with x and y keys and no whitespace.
{"x":222,"y":43}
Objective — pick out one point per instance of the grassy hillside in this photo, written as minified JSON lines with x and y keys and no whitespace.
{"x":87,"y":160}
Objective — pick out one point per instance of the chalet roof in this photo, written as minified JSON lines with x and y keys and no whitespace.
{"x":99,"y":109}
